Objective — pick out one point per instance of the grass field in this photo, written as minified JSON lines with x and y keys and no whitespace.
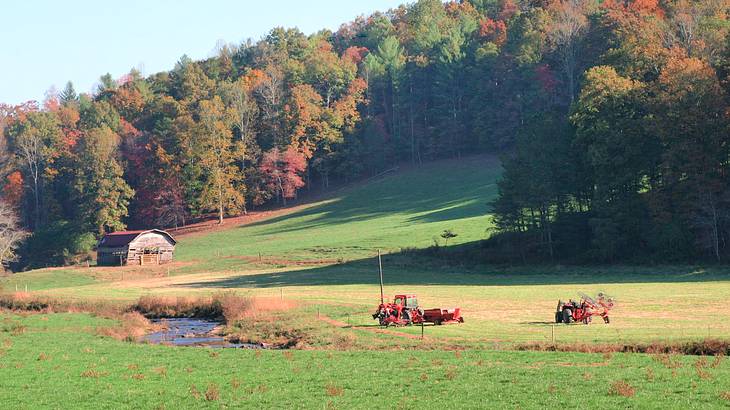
{"x":56,"y":362}
{"x":406,"y":210}
{"x":323,"y":257}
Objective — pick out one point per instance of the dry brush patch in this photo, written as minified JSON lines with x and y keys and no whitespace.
{"x":19,"y":302}
{"x":212,"y":393}
{"x":93,"y":373}
{"x":333,"y":389}
{"x":621,"y":388}
{"x":706,"y":347}
{"x":229,"y":306}
{"x":132,"y":326}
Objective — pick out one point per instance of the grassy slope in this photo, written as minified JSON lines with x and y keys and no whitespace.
{"x":408,"y":209}
{"x":86,"y":371}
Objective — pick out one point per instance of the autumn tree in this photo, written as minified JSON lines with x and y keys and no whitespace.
{"x":11,"y":234}
{"x":35,"y":142}
{"x":609,"y":118}
{"x":283,"y":170}
{"x":270,"y":92}
{"x":239,"y":96}
{"x":691,"y":122}
{"x":222,"y":190}
{"x":99,"y":189}
{"x":568,"y":25}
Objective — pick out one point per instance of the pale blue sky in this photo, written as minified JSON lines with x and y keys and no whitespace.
{"x":45,"y":43}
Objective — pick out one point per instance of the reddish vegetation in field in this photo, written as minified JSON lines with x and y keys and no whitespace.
{"x":621,"y":388}
{"x":333,"y":390}
{"x":707,"y":347}
{"x":212,"y":393}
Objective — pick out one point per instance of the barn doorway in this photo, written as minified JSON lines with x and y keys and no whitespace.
{"x":150,"y":256}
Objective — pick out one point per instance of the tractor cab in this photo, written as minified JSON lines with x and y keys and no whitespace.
{"x":406,"y":301}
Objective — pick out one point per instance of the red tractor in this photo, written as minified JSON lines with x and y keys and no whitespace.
{"x":405,"y":311}
{"x":585,"y":309}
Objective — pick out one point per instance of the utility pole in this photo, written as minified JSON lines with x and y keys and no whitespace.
{"x":380,"y":268}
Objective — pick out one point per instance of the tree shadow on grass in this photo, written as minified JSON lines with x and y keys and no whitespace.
{"x":428,"y":193}
{"x":403,"y":269}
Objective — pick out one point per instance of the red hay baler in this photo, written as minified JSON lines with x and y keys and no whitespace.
{"x":405,"y":311}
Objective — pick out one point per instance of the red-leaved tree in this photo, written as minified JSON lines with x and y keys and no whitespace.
{"x":283,"y":171}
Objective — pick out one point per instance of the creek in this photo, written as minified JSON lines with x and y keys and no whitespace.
{"x":191,"y":332}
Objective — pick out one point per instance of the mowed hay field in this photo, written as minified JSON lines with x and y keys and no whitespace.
{"x":321,"y":256}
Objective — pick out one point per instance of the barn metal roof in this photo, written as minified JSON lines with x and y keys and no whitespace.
{"x":123,"y":238}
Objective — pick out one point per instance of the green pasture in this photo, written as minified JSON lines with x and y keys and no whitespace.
{"x":57,"y":361}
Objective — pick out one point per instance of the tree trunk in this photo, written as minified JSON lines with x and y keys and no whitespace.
{"x":36,"y":195}
{"x":410,"y":118}
{"x":220,"y":214}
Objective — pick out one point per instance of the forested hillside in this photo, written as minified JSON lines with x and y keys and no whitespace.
{"x":611,"y":116}
{"x":638,"y":167}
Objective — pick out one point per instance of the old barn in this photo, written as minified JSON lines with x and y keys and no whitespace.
{"x":151,"y":247}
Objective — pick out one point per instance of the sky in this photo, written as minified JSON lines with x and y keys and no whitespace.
{"x":47,"y":43}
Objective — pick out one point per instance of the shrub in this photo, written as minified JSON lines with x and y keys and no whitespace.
{"x":133,"y":326}
{"x":58,"y":243}
{"x":233,"y":306}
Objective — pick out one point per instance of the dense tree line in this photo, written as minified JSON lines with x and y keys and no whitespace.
{"x":611,"y":115}
{"x":637,"y":166}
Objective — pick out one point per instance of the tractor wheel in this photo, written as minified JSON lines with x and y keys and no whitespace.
{"x":437,"y":322}
{"x":461,"y":320}
{"x":606,"y":320}
{"x":558,"y":317}
{"x":567,"y":316}
{"x":407,"y":317}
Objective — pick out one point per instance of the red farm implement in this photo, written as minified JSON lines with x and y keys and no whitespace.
{"x":584,"y":309}
{"x":405,"y":311}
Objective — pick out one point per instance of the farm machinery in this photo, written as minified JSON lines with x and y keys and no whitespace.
{"x":405,"y":311}
{"x":584,"y":309}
